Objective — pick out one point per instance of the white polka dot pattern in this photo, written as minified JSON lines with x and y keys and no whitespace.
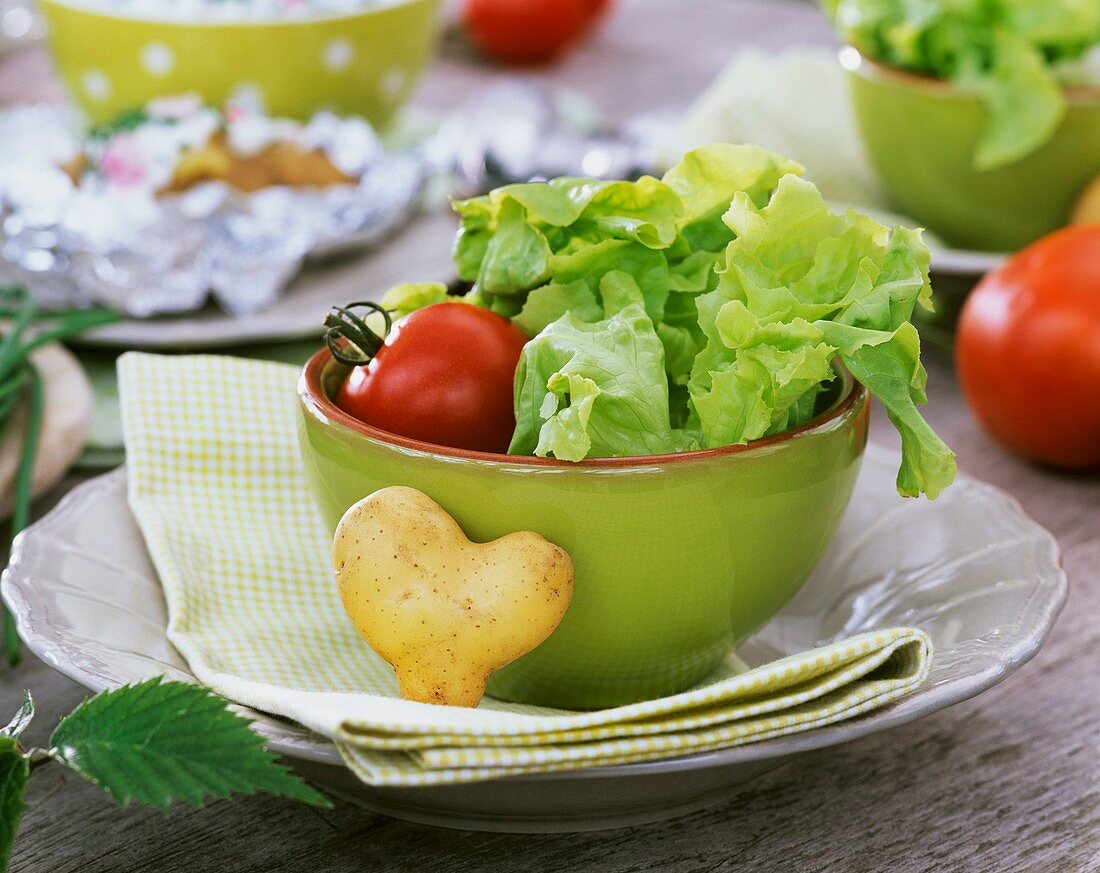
{"x":158,"y":59}
{"x":96,"y":85}
{"x":338,"y":55}
{"x":393,"y":82}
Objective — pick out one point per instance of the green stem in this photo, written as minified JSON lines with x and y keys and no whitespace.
{"x":349,"y":338}
{"x":70,"y":326}
{"x":7,"y":404}
{"x":22,"y":506}
{"x":8,"y":387}
{"x":16,"y":373}
{"x":9,"y":344}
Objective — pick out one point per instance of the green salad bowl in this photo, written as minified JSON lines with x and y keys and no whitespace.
{"x":677,"y":557}
{"x":365,"y":63}
{"x":920,"y":134}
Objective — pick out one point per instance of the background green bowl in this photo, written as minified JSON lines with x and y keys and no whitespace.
{"x":677,"y":558}
{"x":920,"y":134}
{"x":366,"y":63}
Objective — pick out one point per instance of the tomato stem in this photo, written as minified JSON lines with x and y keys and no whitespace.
{"x":348,"y":336}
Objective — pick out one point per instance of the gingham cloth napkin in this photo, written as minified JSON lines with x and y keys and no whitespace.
{"x":217,"y":488}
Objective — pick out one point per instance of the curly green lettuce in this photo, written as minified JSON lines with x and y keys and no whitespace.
{"x":798,"y":287}
{"x":1012,"y":53}
{"x":706,"y":308}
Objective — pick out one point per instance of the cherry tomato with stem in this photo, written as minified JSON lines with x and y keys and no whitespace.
{"x":443,"y":374}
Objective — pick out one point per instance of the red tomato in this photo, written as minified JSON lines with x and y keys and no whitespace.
{"x":444,"y":376}
{"x":1028,"y":350}
{"x":526,"y":31}
{"x":597,"y":9}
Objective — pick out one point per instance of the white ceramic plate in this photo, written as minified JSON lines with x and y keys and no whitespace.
{"x":420,"y":252}
{"x":959,"y":262}
{"x":970,"y":568}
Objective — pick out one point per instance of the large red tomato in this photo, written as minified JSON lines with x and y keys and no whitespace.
{"x":1028,"y":350}
{"x":444,"y":376}
{"x":597,"y":9}
{"x":527,"y":31}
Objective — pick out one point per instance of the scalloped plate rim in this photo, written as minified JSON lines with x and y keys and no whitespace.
{"x":282,"y":739}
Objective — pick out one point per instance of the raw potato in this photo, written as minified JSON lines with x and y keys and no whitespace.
{"x":1087,"y":210}
{"x":445,"y":612}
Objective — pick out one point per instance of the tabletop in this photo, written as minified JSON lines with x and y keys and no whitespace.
{"x":1008,"y":781}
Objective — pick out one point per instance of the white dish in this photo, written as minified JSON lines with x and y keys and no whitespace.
{"x":959,"y":262}
{"x":971,"y":569}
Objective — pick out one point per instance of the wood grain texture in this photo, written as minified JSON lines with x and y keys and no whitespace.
{"x":1009,"y":781}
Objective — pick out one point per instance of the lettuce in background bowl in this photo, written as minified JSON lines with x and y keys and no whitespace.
{"x":981,"y":116}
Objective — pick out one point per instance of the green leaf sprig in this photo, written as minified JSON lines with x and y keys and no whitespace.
{"x":28,"y":329}
{"x":150,"y":743}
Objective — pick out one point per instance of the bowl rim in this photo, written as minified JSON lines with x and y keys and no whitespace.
{"x":93,"y":9}
{"x":862,"y":64}
{"x":316,"y":403}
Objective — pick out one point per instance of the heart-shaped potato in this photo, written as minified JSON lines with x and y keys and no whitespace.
{"x":444,"y":611}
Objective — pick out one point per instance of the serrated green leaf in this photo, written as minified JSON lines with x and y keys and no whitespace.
{"x":14,"y":769}
{"x":21,"y":719}
{"x":161,"y":741}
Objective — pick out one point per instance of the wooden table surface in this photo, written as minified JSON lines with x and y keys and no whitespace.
{"x":1009,"y":781}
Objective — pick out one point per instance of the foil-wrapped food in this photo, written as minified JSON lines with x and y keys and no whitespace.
{"x":179,"y":202}
{"x":518,"y":130}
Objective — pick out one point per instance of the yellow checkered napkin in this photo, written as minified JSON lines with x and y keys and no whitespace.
{"x":216,"y":485}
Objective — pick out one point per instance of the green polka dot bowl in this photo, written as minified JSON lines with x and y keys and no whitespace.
{"x":677,"y":557}
{"x":364,"y":63}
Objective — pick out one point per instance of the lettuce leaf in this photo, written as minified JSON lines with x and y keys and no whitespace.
{"x":797,"y":287}
{"x":666,"y":232}
{"x":400,"y":300}
{"x":702,"y":309}
{"x":1024,"y":100}
{"x":593,"y":390}
{"x":888,"y":365}
{"x":1007,"y":51}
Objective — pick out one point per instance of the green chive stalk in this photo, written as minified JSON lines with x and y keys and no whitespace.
{"x":27,"y":329}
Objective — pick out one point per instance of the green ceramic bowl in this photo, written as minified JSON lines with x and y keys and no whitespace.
{"x":364,"y":63}
{"x":677,"y":557}
{"x":920,"y":134}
